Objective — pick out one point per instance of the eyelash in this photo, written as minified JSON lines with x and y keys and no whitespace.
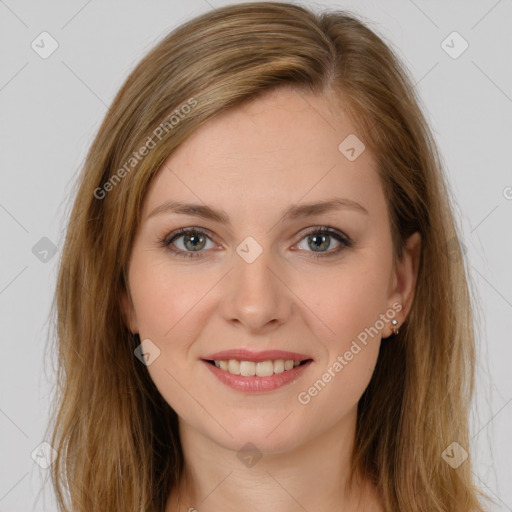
{"x":340,"y":237}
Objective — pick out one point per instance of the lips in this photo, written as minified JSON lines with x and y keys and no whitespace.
{"x":255,"y":384}
{"x":257,"y":372}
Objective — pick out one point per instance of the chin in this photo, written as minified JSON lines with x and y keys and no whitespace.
{"x":266,"y":437}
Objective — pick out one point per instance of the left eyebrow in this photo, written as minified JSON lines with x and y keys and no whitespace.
{"x":291,"y":213}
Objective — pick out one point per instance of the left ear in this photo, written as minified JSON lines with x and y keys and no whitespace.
{"x":405,"y":276}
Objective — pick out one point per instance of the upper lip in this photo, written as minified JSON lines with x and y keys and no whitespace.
{"x":241,"y":354}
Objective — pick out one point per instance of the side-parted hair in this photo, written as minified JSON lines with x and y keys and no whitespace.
{"x":117,"y":440}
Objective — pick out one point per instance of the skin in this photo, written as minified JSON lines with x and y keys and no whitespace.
{"x":253,"y":162}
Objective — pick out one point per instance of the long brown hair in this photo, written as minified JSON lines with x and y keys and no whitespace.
{"x":117,"y":439}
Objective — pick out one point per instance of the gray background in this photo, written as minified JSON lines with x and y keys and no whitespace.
{"x":51,"y":109}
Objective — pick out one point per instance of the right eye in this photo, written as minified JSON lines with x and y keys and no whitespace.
{"x":193,"y":242}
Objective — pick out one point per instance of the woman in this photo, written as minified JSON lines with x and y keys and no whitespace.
{"x":261,"y":302}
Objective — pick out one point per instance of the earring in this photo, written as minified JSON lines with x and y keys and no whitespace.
{"x":394,"y":322}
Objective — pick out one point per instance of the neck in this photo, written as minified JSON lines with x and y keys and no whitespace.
{"x":314,"y":476}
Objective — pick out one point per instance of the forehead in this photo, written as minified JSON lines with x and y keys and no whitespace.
{"x":279,"y":149}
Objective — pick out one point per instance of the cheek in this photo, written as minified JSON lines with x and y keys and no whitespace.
{"x":350,"y":298}
{"x":349,"y":320}
{"x":347,"y":304}
{"x":167,"y":302}
{"x":165,"y":298}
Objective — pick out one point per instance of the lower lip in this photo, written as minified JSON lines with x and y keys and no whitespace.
{"x":255,"y":384}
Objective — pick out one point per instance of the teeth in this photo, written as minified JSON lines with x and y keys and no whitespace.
{"x":279,"y":366}
{"x":234,"y":367}
{"x":247,"y":368}
{"x":260,"y":369}
{"x":264,"y":369}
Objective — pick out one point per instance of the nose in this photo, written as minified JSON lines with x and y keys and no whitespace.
{"x":256,"y":296}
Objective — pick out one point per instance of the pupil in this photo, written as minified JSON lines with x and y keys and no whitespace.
{"x":190,"y":237}
{"x":323,"y":239}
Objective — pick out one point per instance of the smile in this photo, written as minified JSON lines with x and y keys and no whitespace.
{"x":258,"y":378}
{"x":260,"y":369}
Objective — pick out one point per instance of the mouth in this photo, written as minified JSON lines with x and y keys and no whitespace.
{"x":257,"y":372}
{"x":257,"y":368}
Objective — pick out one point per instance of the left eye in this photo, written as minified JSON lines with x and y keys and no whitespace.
{"x":321,"y":239}
{"x":194,"y":240}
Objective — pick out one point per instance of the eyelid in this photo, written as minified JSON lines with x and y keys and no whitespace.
{"x":324,"y":229}
{"x":166,"y":241}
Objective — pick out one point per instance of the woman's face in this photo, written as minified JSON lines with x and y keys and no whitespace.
{"x":263,"y":274}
